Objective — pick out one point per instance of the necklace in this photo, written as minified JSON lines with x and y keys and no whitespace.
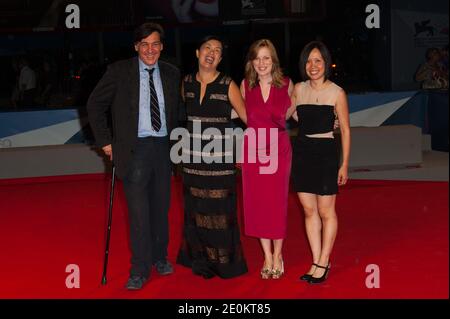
{"x":317,"y":92}
{"x":314,"y":95}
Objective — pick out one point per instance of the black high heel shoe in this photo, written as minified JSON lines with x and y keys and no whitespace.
{"x":314,"y":280}
{"x":307,"y":276}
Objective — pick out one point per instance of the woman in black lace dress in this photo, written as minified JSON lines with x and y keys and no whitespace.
{"x":211,"y":241}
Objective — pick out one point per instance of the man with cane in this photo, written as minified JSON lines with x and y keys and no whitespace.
{"x":141,"y":95}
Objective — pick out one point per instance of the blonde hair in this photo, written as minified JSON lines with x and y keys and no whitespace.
{"x":250,"y":74}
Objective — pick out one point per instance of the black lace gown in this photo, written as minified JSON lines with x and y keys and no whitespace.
{"x":211,"y":243}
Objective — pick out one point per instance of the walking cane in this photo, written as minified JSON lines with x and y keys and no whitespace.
{"x":108,"y":233}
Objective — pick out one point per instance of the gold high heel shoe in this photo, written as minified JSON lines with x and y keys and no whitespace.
{"x":277,"y":273}
{"x":266,"y":273}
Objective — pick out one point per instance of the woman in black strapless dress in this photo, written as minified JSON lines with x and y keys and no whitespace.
{"x":316,"y":171}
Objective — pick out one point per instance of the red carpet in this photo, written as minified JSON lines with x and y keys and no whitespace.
{"x":49,"y":223}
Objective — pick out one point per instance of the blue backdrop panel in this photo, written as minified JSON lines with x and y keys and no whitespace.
{"x":12,"y":123}
{"x":412,"y":112}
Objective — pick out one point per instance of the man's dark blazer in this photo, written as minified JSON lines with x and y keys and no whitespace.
{"x":118,"y":92}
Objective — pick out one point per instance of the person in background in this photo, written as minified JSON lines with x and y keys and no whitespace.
{"x":27,"y":84}
{"x":431,"y":74}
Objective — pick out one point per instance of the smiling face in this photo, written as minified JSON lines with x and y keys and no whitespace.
{"x":210,"y":54}
{"x":263,"y":63}
{"x":149,"y":49}
{"x":315,"y":66}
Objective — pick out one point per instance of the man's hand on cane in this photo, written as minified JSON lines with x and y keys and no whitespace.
{"x":108,"y":151}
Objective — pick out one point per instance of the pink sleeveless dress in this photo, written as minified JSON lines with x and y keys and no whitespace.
{"x":266,"y":163}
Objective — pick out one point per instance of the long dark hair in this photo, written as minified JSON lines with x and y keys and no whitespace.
{"x":305,"y":55}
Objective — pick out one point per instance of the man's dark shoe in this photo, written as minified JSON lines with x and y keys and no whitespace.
{"x":135,"y":282}
{"x":163,"y":267}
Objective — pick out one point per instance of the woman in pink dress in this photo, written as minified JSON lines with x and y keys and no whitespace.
{"x":267,"y":153}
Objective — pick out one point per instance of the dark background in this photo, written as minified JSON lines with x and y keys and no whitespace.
{"x":77,"y":58}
